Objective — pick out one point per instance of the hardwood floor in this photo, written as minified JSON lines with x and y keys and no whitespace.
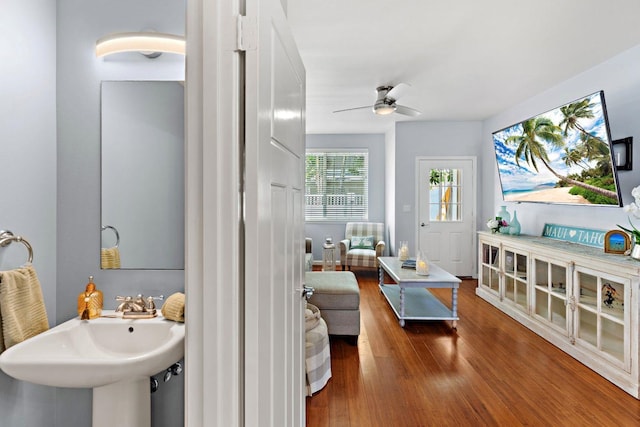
{"x":491,"y":372}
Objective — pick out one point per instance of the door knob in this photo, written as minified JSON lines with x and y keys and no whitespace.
{"x":422,"y":224}
{"x":307,"y":291}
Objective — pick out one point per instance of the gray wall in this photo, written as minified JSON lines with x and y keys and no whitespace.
{"x":415,"y":139}
{"x":50,"y":73}
{"x":375,"y":143}
{"x":79,"y":73}
{"x":28,"y":174}
{"x":619,"y":79}
{"x":390,"y":187}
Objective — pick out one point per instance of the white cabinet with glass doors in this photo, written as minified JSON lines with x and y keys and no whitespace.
{"x":551,"y":285}
{"x":504,"y":272}
{"x":577,"y":297}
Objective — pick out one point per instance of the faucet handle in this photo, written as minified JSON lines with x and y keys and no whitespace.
{"x":125,"y":303}
{"x":150,"y":304}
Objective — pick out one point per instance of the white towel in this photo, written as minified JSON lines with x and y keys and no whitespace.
{"x":22,"y":310}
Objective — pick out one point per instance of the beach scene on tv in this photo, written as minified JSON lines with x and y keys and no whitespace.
{"x":561,"y":156}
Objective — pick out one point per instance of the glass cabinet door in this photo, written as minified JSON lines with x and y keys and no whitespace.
{"x":550,"y":293}
{"x":490,"y":267}
{"x":516,"y":270}
{"x":601,"y":318}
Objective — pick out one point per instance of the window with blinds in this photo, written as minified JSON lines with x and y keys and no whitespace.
{"x":336,"y":185}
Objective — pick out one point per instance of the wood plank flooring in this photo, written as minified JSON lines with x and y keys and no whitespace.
{"x":491,"y":372}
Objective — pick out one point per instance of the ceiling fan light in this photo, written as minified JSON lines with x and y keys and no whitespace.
{"x":384,"y":109}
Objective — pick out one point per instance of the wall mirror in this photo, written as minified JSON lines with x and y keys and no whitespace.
{"x":142,"y":174}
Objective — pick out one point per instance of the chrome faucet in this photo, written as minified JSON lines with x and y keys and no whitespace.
{"x":137,"y":307}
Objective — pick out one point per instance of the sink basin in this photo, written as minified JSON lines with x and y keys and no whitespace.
{"x":114,"y":356}
{"x":94,"y":353}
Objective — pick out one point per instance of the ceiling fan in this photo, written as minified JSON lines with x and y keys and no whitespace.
{"x":386,"y":102}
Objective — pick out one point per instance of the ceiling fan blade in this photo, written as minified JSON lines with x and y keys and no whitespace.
{"x":355,"y":108}
{"x":401,"y":109}
{"x":398,"y":90}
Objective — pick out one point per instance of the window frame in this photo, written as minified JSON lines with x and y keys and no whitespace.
{"x":362,"y":208}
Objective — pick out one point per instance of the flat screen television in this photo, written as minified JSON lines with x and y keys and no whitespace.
{"x":561,"y":156}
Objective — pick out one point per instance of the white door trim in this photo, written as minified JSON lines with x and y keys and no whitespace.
{"x":213,"y":379}
{"x":475,"y":198}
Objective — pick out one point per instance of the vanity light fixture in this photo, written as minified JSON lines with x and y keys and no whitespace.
{"x":150,"y":44}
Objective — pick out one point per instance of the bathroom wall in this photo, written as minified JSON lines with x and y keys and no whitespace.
{"x":79,"y":73}
{"x":620,"y":81}
{"x":28,"y":174}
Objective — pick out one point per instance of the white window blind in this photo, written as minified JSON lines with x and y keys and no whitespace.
{"x":336,"y":185}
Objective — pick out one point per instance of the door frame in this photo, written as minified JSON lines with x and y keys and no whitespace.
{"x":213,"y":269}
{"x":214,"y":229}
{"x":474,"y":217}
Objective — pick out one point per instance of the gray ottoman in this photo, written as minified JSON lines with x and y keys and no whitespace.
{"x":337,"y":295}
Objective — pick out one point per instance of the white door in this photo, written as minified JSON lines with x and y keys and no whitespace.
{"x":274,"y":221}
{"x":446,"y":212}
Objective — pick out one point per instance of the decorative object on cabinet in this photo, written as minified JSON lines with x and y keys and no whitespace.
{"x":633,"y":231}
{"x":505,"y":223}
{"x":634,"y":209}
{"x":616,"y":242}
{"x":623,"y":153}
{"x":504,"y":214}
{"x":514,"y":228}
{"x":567,"y":233}
{"x":496,"y":224}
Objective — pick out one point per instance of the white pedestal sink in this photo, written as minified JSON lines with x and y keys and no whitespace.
{"x":113,"y":356}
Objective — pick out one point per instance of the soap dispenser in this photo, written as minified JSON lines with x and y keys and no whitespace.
{"x":90,"y":302}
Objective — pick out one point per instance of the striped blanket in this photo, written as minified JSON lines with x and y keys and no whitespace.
{"x":318,"y":356}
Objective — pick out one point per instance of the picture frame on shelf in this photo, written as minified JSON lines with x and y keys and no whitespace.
{"x":616,"y":242}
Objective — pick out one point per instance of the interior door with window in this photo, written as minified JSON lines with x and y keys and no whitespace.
{"x":446,"y":212}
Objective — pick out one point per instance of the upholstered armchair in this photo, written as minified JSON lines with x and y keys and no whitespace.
{"x":362,"y":245}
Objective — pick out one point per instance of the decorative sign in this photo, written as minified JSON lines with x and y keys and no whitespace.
{"x":582,"y":236}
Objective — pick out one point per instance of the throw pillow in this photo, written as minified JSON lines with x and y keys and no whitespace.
{"x":362,"y":242}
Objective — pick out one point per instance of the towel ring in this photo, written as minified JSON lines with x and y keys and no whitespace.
{"x":6,"y":237}
{"x":111,"y":227}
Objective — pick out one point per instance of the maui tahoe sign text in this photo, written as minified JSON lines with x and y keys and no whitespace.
{"x":583,"y":236}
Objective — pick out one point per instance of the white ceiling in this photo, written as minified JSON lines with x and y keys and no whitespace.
{"x":464,"y":59}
